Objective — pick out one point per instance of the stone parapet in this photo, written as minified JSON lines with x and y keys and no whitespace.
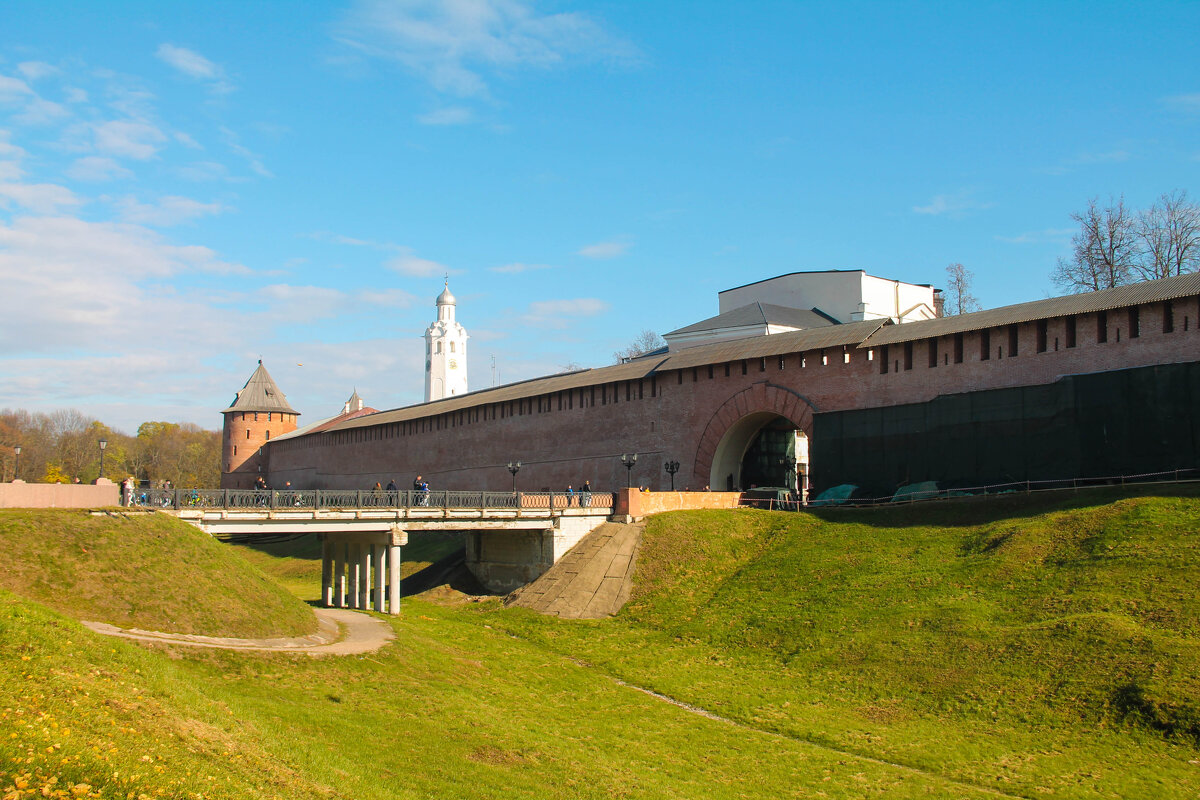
{"x":19,"y":494}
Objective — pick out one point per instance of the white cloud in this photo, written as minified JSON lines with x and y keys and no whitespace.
{"x":450,"y":44}
{"x":187,"y":141}
{"x":610,"y":249}
{"x":512,"y":269}
{"x":189,"y":62}
{"x":1038,"y":237}
{"x":194,"y":65}
{"x":557,"y":313}
{"x":201,"y":171}
{"x":12,"y":89}
{"x":951,"y":204}
{"x":231,"y":141}
{"x":1183,"y":102}
{"x":169,"y":210}
{"x":74,"y":286}
{"x":75,"y":95}
{"x":10,"y":171}
{"x":33,"y":70}
{"x":40,"y":198}
{"x":389,"y":298}
{"x":407,"y":263}
{"x":446,"y":116}
{"x":137,"y":140}
{"x":97,"y":168}
{"x":7,"y":149}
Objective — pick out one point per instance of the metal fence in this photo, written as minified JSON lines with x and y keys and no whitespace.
{"x":995,"y":490}
{"x":333,"y":499}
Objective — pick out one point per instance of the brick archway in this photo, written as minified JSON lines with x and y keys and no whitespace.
{"x":762,"y":397}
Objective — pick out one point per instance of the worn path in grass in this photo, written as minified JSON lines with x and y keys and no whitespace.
{"x":340,"y":633}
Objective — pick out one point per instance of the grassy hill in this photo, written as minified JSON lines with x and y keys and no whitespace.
{"x":1042,"y":647}
{"x":142,"y":570}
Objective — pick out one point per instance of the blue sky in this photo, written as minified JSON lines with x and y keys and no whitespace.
{"x":186,"y":187}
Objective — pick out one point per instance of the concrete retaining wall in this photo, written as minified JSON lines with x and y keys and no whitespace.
{"x":19,"y":494}
{"x":638,"y":504}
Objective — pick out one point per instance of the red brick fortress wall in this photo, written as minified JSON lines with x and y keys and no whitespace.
{"x":566,"y":437}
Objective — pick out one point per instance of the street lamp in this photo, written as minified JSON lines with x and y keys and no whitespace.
{"x":629,"y":459}
{"x":514,"y":467}
{"x":17,"y":463}
{"x":103,"y":446}
{"x":672,"y":467}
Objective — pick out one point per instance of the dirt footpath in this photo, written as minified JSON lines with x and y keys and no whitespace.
{"x":340,"y":633}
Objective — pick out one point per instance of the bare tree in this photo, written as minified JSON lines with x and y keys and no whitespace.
{"x":1105,"y":249}
{"x":958,"y":290}
{"x":1169,"y":237}
{"x":646,"y":342}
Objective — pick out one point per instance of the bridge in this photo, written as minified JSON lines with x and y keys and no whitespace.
{"x":511,"y":537}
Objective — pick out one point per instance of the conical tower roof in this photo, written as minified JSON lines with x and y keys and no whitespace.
{"x":261,"y":394}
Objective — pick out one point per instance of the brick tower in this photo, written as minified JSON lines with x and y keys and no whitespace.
{"x":259,"y":412}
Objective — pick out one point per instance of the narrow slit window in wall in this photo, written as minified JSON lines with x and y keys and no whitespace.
{"x":1071,"y":325}
{"x":985,"y":345}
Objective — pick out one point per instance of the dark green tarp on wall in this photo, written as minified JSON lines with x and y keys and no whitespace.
{"x":1081,"y":426}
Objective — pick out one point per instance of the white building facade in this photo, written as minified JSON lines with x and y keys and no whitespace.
{"x":445,"y":352}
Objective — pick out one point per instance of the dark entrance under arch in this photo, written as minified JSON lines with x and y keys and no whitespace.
{"x":761,"y":449}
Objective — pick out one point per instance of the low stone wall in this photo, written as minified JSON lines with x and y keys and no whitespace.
{"x":637,"y":504}
{"x":19,"y":494}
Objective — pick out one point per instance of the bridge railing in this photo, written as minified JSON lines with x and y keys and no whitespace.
{"x":362,"y":499}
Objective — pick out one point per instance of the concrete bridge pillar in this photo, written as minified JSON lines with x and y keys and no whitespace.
{"x":362,"y":572}
{"x":326,"y":570}
{"x":378,"y":551}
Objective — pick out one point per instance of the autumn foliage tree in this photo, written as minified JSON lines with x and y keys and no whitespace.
{"x":65,"y":445}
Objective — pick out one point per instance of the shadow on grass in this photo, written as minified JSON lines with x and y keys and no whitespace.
{"x":955,"y":512}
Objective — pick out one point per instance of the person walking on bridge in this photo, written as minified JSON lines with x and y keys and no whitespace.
{"x":585,"y":494}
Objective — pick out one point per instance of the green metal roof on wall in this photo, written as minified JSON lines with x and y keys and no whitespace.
{"x":261,"y":394}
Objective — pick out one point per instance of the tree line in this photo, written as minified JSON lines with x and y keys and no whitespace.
{"x":1113,"y":246}
{"x":64,"y":446}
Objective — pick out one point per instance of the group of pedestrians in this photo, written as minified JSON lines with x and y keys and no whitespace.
{"x":583,"y":497}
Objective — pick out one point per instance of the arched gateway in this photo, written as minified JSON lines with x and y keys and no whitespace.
{"x":750,"y":437}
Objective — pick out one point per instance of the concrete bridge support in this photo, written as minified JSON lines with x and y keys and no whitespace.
{"x":360,"y":570}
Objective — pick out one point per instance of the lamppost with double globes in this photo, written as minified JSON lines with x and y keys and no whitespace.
{"x":514,"y":467}
{"x":672,"y":467}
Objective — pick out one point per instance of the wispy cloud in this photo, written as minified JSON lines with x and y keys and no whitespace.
{"x":128,"y":138}
{"x":97,"y":168}
{"x":452,"y":44}
{"x":234,"y":144}
{"x":559,"y":313}
{"x":1189,"y":103}
{"x":40,"y":198}
{"x":166,"y":211}
{"x":35,"y":70}
{"x":602,"y":250}
{"x":407,"y":263}
{"x":952,"y":205}
{"x":455,"y":115}
{"x":1038,"y":237}
{"x":194,"y":65}
{"x":513,"y":269}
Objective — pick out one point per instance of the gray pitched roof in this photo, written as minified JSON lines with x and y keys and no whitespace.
{"x":849,"y":334}
{"x":260,"y":394}
{"x":1089,"y":302}
{"x":760,"y":314}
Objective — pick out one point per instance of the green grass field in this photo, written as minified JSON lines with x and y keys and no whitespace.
{"x":1032,"y":647}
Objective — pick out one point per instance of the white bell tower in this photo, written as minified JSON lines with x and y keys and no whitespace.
{"x":445,"y":352}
